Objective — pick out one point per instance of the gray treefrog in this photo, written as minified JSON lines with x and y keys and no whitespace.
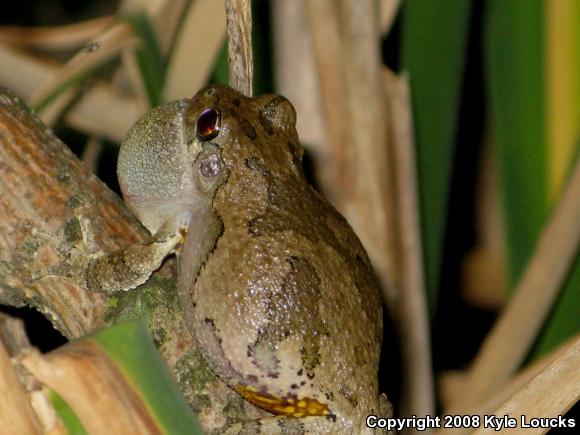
{"x":275,"y":286}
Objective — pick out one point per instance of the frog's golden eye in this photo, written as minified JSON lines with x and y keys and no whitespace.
{"x":208,"y":124}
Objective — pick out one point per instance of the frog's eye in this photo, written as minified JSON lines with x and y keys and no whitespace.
{"x":208,"y":124}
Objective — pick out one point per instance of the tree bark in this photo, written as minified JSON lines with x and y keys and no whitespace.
{"x":53,"y":214}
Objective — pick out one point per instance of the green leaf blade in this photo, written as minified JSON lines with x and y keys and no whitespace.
{"x":433,"y":52}
{"x":131,"y":347}
{"x":150,"y":62}
{"x":514,"y":54}
{"x":67,"y":416}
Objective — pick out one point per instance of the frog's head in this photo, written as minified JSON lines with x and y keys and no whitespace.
{"x":261,"y":128}
{"x":164,"y":175}
{"x":176,"y":156}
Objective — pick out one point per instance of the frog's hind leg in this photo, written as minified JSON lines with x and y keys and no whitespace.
{"x":283,"y":424}
{"x":288,"y":425}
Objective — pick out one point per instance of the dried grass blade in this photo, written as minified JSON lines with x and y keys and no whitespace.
{"x":104,"y":112}
{"x":417,"y":396}
{"x":551,"y":393}
{"x":21,"y":72}
{"x":110,"y":44}
{"x":58,"y":105}
{"x":388,"y":10}
{"x":484,"y":270}
{"x":166,"y":17}
{"x":324,"y":27}
{"x":92,"y":154}
{"x":514,"y":332}
{"x":198,"y":43}
{"x":101,"y":111}
{"x":374,"y":215}
{"x":296,"y":77}
{"x":515,"y":384}
{"x":65,"y":37}
{"x":130,"y":73}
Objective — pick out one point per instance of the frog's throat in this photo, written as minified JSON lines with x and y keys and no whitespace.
{"x":283,"y":406}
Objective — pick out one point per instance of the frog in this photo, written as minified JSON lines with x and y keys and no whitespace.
{"x":274,"y":285}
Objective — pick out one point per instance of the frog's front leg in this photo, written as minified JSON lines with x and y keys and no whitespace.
{"x":132,"y":266}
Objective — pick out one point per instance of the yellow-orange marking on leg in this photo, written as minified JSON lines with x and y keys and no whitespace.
{"x":283,"y":406}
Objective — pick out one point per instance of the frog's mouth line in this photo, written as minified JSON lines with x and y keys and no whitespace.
{"x":284,"y":406}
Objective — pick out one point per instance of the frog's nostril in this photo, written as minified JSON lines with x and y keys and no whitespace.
{"x":210,"y":166}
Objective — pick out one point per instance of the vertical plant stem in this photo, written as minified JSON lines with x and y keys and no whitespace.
{"x":239,"y":25}
{"x":92,"y":154}
{"x":324,"y":27}
{"x":417,"y":397}
{"x":388,"y":10}
{"x":373,"y":214}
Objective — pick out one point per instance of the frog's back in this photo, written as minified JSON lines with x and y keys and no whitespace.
{"x":286,"y":304}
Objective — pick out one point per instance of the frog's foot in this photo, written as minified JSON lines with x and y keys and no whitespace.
{"x":286,"y":425}
{"x":132,"y":266}
{"x":83,"y":263}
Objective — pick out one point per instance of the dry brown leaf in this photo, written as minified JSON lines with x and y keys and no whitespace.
{"x":16,"y":414}
{"x":84,"y":376}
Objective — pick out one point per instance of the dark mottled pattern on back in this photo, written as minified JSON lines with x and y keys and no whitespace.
{"x":285,"y":211}
{"x":249,"y":129}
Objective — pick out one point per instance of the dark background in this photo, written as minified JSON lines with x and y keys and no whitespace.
{"x":457,"y":328}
